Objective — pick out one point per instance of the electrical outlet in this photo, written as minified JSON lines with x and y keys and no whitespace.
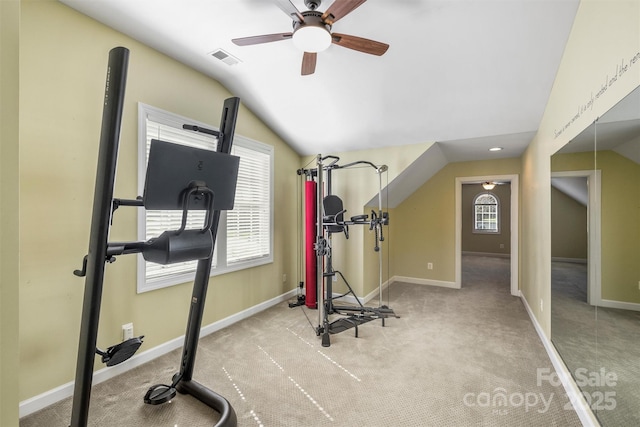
{"x":501,"y":245}
{"x":127,"y":331}
{"x":541,"y":305}
{"x":335,"y":277}
{"x":284,"y":278}
{"x":429,"y":266}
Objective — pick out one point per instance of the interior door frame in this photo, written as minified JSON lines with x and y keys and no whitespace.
{"x":594,"y":283}
{"x":513,"y":179}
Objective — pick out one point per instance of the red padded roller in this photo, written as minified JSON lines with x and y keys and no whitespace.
{"x":310,"y":193}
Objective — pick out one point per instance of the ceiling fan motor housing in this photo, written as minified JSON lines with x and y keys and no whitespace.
{"x":311,"y":18}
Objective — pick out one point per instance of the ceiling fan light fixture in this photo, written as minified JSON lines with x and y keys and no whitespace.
{"x":488,"y":185}
{"x":312,"y":38}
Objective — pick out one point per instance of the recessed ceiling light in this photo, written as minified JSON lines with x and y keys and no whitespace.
{"x":496,"y":149}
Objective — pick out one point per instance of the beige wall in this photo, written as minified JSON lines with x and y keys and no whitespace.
{"x":604,"y":34}
{"x":619,"y":218}
{"x":499,"y":243}
{"x":62,"y":73}
{"x":422,"y":228}
{"x":568,"y":227}
{"x":620,"y":229}
{"x":9,"y":211}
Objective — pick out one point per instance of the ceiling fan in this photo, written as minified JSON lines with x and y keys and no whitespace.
{"x":489,"y":185}
{"x":312,"y":31}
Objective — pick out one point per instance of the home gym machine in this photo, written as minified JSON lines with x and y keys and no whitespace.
{"x":178,"y":178}
{"x":325,"y":216}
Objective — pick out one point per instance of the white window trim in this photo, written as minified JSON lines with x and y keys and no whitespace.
{"x":172,"y":119}
{"x":498,"y":219}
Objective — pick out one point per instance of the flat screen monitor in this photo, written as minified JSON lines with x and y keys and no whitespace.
{"x":172,"y":168}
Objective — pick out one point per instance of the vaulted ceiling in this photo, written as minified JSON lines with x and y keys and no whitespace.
{"x":468,"y":74}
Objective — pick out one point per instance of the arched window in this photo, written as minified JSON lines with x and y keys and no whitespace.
{"x":486,"y":213}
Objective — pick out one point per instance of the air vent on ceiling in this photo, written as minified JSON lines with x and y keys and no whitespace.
{"x":225,"y":57}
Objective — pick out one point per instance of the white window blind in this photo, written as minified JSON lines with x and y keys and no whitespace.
{"x":248,"y":224}
{"x":244,"y":233}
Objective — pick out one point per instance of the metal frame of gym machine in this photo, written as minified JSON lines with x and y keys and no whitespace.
{"x":358,"y":314}
{"x":101,"y":251}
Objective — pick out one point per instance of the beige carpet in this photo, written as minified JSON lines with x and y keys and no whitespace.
{"x":447,"y":361}
{"x":590,"y":339}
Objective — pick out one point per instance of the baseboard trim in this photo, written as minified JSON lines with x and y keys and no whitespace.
{"x":572,"y":260}
{"x":428,"y":282}
{"x":489,"y":254}
{"x":619,"y":304}
{"x":41,"y":401}
{"x":573,"y":392}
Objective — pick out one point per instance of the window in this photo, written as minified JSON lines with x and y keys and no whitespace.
{"x":244,"y":234}
{"x":486,"y":214}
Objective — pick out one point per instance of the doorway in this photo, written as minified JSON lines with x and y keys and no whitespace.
{"x":592,"y":200}
{"x":513,"y":224}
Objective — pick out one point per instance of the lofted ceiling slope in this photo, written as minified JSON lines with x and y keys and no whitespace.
{"x":465,"y":73}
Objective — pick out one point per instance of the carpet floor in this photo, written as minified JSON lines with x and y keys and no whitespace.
{"x":467,"y":357}
{"x":592,"y":338}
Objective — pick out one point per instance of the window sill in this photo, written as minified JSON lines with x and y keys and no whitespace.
{"x":190,"y":277}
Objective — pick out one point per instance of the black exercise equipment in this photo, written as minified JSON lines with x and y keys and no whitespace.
{"x":120,"y":352}
{"x":330,"y":219}
{"x":165,"y":183}
{"x":178,"y":178}
{"x":334,"y":215}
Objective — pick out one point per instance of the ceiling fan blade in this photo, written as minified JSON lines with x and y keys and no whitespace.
{"x":309,"y":63}
{"x":339,"y":9}
{"x":360,"y":44}
{"x":265,"y":38}
{"x":289,"y":8}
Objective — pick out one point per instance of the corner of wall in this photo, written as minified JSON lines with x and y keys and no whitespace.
{"x":9,"y":210}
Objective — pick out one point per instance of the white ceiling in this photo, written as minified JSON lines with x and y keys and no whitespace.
{"x":468,"y":74}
